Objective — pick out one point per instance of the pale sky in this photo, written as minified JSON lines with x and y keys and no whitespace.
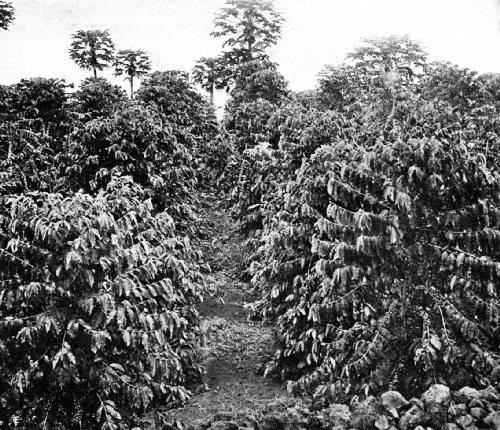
{"x":175,"y":33}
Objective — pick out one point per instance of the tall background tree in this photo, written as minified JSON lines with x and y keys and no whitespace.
{"x":381,"y":79}
{"x":211,"y":74}
{"x":390,"y":55}
{"x":6,"y":14}
{"x":92,"y":49}
{"x":134,"y":64}
{"x":248,"y":28}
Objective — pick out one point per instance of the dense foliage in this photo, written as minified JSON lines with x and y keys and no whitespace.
{"x":33,"y":123}
{"x":99,"y":280}
{"x":133,"y":64}
{"x":92,"y":49}
{"x":134,"y":140}
{"x":39,"y":102}
{"x":96,"y":306}
{"x":258,"y":91}
{"x":249,"y":28}
{"x":6,"y":14}
{"x":377,"y":224}
{"x":182,"y":106}
{"x":96,"y":98}
{"x":191,"y":118}
{"x":373,"y":274}
{"x":371,"y":207}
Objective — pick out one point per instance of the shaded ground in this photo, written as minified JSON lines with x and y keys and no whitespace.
{"x":235,"y":347}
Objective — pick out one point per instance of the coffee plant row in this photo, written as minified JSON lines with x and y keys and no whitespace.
{"x":98,"y":277}
{"x":373,"y":213}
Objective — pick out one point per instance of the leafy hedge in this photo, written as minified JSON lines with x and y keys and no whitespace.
{"x":378,"y":236}
{"x":33,"y":124}
{"x":381,"y":269}
{"x":97,"y":285}
{"x":97,"y":97}
{"x":258,"y":91}
{"x":192,"y":119}
{"x":96,"y":308}
{"x":133,"y":141}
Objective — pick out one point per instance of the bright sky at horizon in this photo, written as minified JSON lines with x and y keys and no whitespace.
{"x":175,"y":33}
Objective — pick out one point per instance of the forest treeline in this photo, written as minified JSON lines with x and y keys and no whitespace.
{"x":370,"y":205}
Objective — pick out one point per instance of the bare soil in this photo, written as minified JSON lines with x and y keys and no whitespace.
{"x":235,"y":347}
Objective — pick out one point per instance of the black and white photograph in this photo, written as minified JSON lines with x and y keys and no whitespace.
{"x":250,"y":214}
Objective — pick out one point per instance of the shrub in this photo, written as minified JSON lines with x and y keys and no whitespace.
{"x":40,"y":100}
{"x":191,"y":117}
{"x":259,"y":79}
{"x":258,"y":91}
{"x":377,"y":253}
{"x":133,"y":141}
{"x":450,"y":83}
{"x":294,"y":133}
{"x":27,"y":158}
{"x":33,"y":123}
{"x":97,"y":97}
{"x":247,"y":121}
{"x":380,"y":268}
{"x":96,"y":308}
{"x":341,"y":87}
{"x":218,"y":163}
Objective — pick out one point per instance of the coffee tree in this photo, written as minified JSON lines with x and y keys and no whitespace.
{"x":258,"y":91}
{"x":374,"y":229}
{"x":190,"y":116}
{"x":40,"y":103}
{"x":33,"y":124}
{"x":290,"y":133}
{"x":96,"y":308}
{"x":450,"y":83}
{"x":379,"y":264}
{"x":97,"y":98}
{"x":134,"y":140}
{"x":340,"y":87}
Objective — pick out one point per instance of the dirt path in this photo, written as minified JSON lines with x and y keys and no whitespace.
{"x":235,"y":347}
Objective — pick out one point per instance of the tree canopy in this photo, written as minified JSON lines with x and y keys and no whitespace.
{"x":391,"y":55}
{"x":248,"y":28}
{"x":133,"y":64}
{"x":6,"y":14}
{"x":211,"y":74}
{"x":92,"y":49}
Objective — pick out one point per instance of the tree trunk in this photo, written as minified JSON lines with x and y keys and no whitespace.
{"x":9,"y":151}
{"x":95,"y":72}
{"x":250,"y":47}
{"x":211,"y":94}
{"x":131,"y":87}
